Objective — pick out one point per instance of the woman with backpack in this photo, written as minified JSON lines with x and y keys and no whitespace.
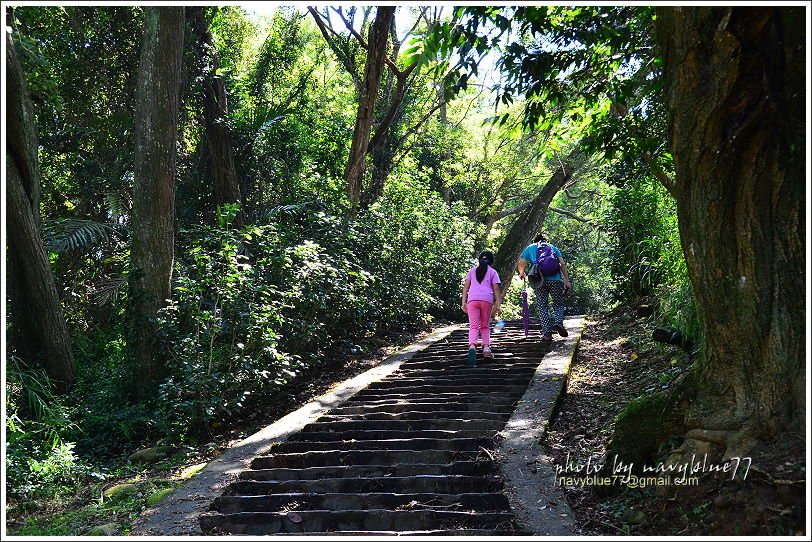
{"x":545,"y":261}
{"x":480,"y":298}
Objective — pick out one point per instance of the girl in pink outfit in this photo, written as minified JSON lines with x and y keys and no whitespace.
{"x":480,"y":293}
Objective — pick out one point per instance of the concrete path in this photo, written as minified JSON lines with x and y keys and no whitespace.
{"x":420,"y":444}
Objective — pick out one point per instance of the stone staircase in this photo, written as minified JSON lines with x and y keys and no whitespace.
{"x":410,"y":454}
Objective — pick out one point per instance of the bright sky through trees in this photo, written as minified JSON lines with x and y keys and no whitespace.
{"x":404,"y":19}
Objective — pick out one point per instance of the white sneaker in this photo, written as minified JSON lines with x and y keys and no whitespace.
{"x":486,"y":352}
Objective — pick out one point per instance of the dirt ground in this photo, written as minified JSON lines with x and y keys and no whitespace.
{"x":617,"y":362}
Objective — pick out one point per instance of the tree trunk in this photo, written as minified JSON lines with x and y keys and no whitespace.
{"x":215,"y":112}
{"x":381,"y":166}
{"x":157,"y":107}
{"x":735,"y":81}
{"x":529,"y":224}
{"x":39,"y":329}
{"x":376,"y":54}
{"x":382,"y":145}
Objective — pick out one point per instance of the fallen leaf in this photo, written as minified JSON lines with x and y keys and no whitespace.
{"x":294,"y":517}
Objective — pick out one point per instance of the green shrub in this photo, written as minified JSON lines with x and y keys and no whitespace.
{"x":252,"y":309}
{"x":39,"y":461}
{"x":108,"y":419}
{"x":677,"y":306}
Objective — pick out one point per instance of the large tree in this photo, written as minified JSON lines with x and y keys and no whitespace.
{"x":712,"y":105}
{"x":376,"y":58}
{"x":215,"y":115}
{"x":39,"y":329}
{"x":398,"y":87}
{"x":156,"y":122}
{"x":734,"y":89}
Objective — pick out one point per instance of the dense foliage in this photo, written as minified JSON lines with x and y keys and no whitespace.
{"x":307,"y":279}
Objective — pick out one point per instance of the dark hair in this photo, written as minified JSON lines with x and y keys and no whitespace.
{"x":485,"y":259}
{"x":540,"y":237}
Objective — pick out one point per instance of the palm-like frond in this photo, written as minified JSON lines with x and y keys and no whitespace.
{"x":80,"y":234}
{"x":107,"y":290}
{"x":32,"y":387}
{"x":283,"y":210}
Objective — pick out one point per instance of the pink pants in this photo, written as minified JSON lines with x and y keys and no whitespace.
{"x":479,"y":318}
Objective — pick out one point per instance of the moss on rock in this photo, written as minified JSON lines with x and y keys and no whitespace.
{"x":108,"y":529}
{"x":649,"y":422}
{"x":151,"y":455}
{"x":158,"y":496}
{"x":119,"y":491}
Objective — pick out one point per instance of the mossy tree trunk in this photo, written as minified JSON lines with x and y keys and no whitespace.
{"x":39,"y":331}
{"x":156,"y":120}
{"x":735,"y":81}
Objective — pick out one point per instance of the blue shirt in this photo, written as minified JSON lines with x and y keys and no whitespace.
{"x":531,"y":253}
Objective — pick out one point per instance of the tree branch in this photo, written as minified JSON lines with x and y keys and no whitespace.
{"x":661,"y":175}
{"x":414,"y":129}
{"x":349,"y":26}
{"x":573,"y":215}
{"x":397,"y":100}
{"x":517,"y":209}
{"x":332,"y":41}
{"x":579,"y":196}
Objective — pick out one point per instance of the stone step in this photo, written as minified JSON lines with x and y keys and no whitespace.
{"x":469,"y":400}
{"x":451,"y":380}
{"x":467,"y":372}
{"x":453,"y":377}
{"x":413,"y":415}
{"x":426,"y":534}
{"x":460,"y":363}
{"x":481,"y":502}
{"x":502,"y":349}
{"x":454,"y":444}
{"x":467,"y":468}
{"x":324,"y":458}
{"x":405,"y":407}
{"x":409,"y":388}
{"x":343,"y":437}
{"x":263,"y":523}
{"x":422,"y":424}
{"x":470,"y":397}
{"x":452,"y":483}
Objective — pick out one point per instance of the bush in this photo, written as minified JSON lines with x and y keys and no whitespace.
{"x":107,"y":418}
{"x":677,"y":305}
{"x":39,"y":461}
{"x":252,"y":309}
{"x":419,"y":249}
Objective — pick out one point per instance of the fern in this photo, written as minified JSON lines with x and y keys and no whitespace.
{"x":107,"y":290}
{"x":30,"y":397}
{"x":80,"y":235}
{"x":116,"y":205}
{"x":283,"y":210}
